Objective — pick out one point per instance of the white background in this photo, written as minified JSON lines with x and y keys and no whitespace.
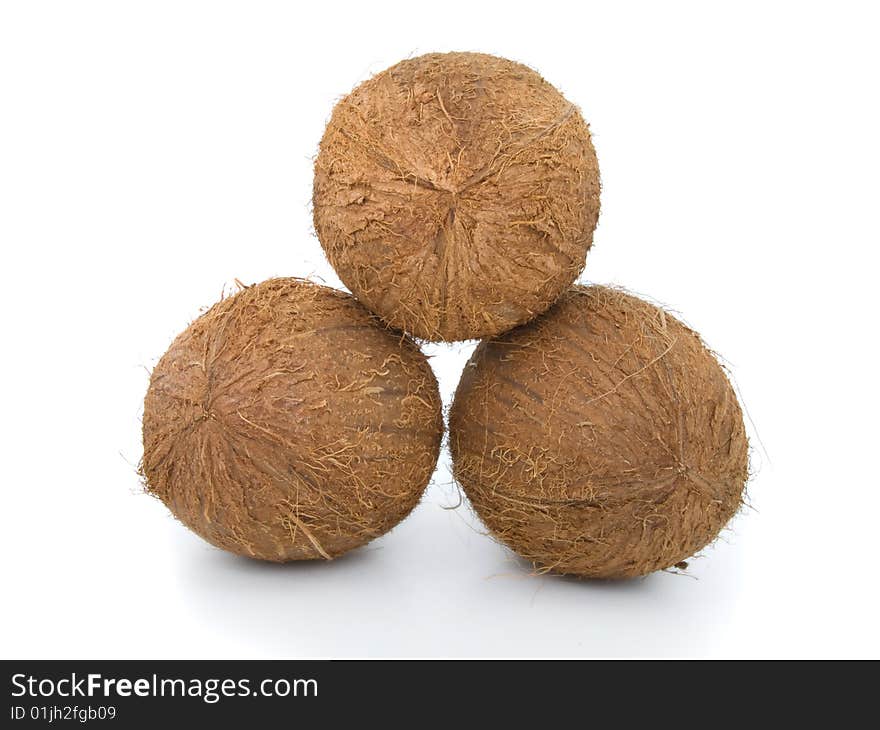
{"x":151,"y":153}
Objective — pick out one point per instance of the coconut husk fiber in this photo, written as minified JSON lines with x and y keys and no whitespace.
{"x":602,"y":440}
{"x":456,"y":194}
{"x":286,"y":423}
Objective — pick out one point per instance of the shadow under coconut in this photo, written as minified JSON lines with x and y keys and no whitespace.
{"x":302,"y":608}
{"x":435,"y":587}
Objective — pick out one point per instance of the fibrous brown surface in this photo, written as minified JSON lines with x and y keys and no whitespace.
{"x":456,"y":194}
{"x":601,"y":440}
{"x":286,"y":423}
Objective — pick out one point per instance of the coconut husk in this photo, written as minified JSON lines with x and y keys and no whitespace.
{"x":286,"y":423}
{"x":456,"y":194}
{"x":602,"y":440}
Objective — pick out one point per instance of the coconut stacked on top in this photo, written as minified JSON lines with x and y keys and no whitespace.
{"x":456,"y":196}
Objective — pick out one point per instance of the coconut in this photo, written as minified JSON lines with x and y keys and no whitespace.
{"x":456,"y":194}
{"x":286,"y":423}
{"x":602,"y":440}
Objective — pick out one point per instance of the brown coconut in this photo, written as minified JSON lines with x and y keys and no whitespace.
{"x":456,"y":194}
{"x":602,"y":440}
{"x":286,"y":423}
